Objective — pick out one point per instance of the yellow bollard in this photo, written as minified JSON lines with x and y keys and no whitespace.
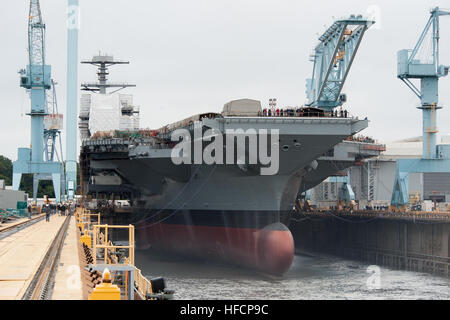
{"x":105,"y":290}
{"x":86,"y":239}
{"x":79,"y":222}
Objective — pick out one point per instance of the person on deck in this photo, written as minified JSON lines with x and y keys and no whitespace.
{"x":47,"y":212}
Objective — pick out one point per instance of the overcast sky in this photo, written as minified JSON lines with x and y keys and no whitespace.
{"x":193,"y":56}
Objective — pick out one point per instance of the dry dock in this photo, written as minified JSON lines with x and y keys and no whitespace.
{"x":409,"y":241}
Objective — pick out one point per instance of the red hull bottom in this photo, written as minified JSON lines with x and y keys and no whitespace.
{"x":270,"y":250}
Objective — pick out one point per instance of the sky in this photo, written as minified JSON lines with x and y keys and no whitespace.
{"x":188,"y":57}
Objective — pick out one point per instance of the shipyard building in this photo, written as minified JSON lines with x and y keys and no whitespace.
{"x":372,"y":180}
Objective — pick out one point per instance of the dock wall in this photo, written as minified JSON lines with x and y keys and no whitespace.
{"x":408,"y":244}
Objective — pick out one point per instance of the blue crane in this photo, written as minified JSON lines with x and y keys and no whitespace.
{"x":36,"y":79}
{"x":52,"y":127}
{"x":422,"y":63}
{"x":333,"y":58}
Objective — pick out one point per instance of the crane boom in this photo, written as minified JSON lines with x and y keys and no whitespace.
{"x":36,"y":34}
{"x":333,"y":58}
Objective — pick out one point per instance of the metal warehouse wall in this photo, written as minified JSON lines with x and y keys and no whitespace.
{"x":439,"y":182}
{"x":384,"y":183}
{"x":9,"y":198}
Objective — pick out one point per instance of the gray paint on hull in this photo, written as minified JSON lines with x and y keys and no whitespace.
{"x":227,"y":187}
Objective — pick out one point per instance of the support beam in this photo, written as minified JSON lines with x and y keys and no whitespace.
{"x":72,"y":97}
{"x":400,"y":194}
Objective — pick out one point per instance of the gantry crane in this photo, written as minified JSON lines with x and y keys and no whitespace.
{"x":45,"y":127}
{"x":52,"y":128}
{"x":422,"y":63}
{"x":333,"y":58}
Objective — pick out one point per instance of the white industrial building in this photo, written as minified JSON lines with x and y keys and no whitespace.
{"x":373,"y":180}
{"x":9,"y":197}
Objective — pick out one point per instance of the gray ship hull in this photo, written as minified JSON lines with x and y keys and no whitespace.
{"x":227,"y":211}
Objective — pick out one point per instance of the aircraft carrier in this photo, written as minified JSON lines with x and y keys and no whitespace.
{"x":225,"y":209}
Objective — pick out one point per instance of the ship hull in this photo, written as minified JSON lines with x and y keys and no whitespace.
{"x":254,"y":240}
{"x":231,"y":211}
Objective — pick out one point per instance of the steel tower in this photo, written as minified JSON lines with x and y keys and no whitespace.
{"x":422,"y":63}
{"x":103,"y":62}
{"x":45,"y":126}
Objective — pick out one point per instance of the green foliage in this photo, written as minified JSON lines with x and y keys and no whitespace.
{"x":45,"y":187}
{"x":6,"y":170}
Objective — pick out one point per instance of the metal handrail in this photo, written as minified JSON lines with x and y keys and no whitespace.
{"x":143,"y":285}
{"x":432,"y":215}
{"x":101,"y":241}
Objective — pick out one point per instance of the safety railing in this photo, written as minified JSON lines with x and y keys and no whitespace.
{"x":142,"y":284}
{"x":84,"y":219}
{"x":428,"y":215}
{"x":101,"y":241}
{"x":304,"y":113}
{"x":109,"y":255}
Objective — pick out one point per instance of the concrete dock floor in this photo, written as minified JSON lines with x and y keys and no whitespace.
{"x":21,"y":255}
{"x":18,"y":221}
{"x":68,"y":276}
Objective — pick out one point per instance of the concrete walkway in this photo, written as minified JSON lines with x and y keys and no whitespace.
{"x":68,"y":276}
{"x":19,"y":221}
{"x":21,"y":255}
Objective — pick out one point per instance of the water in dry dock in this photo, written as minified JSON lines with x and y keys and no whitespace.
{"x":308,"y":278}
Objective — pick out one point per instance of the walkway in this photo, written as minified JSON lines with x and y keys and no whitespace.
{"x":68,"y":275}
{"x":21,"y":255}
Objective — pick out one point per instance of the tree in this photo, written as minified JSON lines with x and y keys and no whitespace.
{"x":6,"y":170}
